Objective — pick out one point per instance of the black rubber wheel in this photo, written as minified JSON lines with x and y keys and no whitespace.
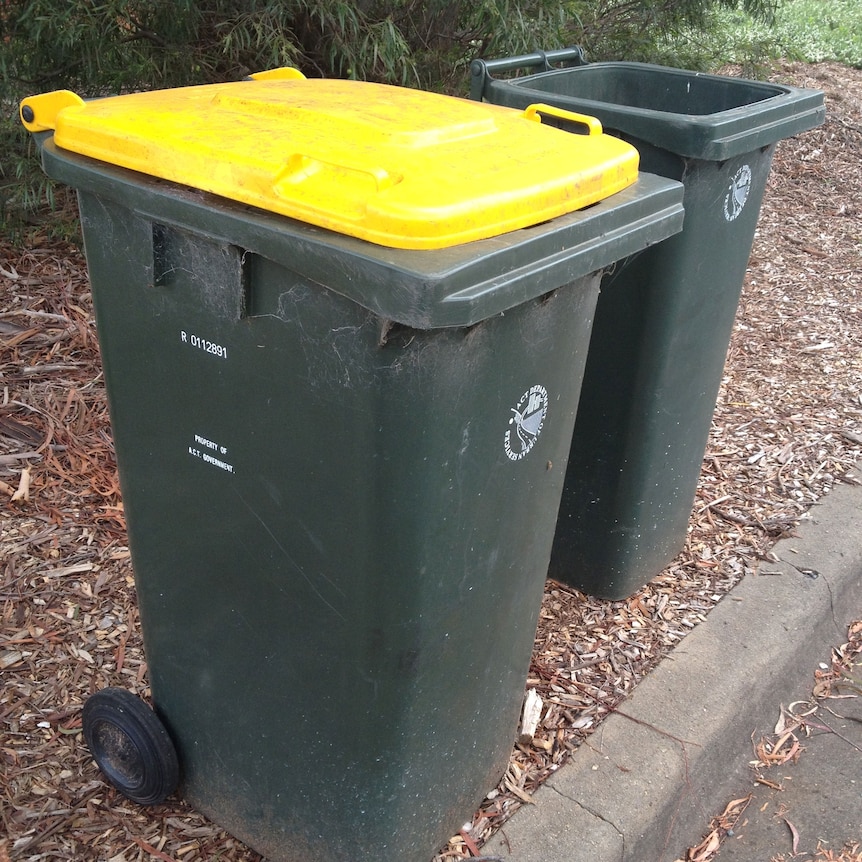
{"x":130,"y":745}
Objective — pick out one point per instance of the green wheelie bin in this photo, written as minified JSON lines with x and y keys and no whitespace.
{"x":342,"y":328}
{"x":664,"y":318}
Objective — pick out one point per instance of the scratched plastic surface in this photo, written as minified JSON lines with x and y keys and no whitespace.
{"x":341,"y":465}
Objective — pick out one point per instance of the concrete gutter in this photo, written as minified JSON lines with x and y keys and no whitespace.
{"x":644,"y":787}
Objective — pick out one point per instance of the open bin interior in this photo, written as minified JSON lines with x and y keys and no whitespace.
{"x":689,"y":114}
{"x":655,"y":88}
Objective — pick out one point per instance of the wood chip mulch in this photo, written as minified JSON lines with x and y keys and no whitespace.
{"x":788,"y":426}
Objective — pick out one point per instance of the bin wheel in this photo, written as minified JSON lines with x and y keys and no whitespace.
{"x":130,"y":745}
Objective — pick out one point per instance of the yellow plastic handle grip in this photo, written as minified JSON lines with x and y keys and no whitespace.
{"x":39,"y":113}
{"x":301,"y":168}
{"x":534,"y":112}
{"x":283,"y":73}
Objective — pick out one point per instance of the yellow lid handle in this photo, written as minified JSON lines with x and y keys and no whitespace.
{"x":283,"y":73}
{"x":39,"y":113}
{"x":534,"y":112}
{"x":301,"y":168}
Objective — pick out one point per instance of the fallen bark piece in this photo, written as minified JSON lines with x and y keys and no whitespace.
{"x":23,"y":492}
{"x":530,"y":716}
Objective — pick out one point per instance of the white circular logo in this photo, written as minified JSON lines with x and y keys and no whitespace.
{"x":526,"y":422}
{"x":737,"y":193}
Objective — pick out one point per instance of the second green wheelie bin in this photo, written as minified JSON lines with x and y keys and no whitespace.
{"x":664,"y":318}
{"x":342,"y":327}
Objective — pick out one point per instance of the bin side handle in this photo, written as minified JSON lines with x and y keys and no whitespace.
{"x":484,"y":70}
{"x":534,"y":112}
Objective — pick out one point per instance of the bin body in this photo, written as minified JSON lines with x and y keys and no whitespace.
{"x":341,"y":466}
{"x":664,"y":318}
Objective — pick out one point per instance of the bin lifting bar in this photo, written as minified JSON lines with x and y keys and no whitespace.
{"x":480,"y":70}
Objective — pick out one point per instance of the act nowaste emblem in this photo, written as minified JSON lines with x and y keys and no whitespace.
{"x":737,"y":193}
{"x":528,"y":417}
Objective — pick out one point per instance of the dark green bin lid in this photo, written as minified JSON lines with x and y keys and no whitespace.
{"x":691,"y":114}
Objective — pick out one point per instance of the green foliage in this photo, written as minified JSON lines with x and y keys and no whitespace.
{"x":806,"y":30}
{"x":820,"y":31}
{"x":117,"y":45}
{"x":97,"y":47}
{"x":815,"y":31}
{"x":654,"y":30}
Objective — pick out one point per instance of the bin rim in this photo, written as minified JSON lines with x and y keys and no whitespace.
{"x":424,"y":289}
{"x":783,"y":111}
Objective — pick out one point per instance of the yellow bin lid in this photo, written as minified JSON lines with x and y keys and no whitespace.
{"x":398,"y":167}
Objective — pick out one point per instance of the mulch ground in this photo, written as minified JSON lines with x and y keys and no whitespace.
{"x":787,"y":427}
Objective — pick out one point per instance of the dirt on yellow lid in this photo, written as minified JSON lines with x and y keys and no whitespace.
{"x":398,"y":167}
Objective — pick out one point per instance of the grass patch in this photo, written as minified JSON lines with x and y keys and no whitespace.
{"x":811,"y":31}
{"x":819,"y":30}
